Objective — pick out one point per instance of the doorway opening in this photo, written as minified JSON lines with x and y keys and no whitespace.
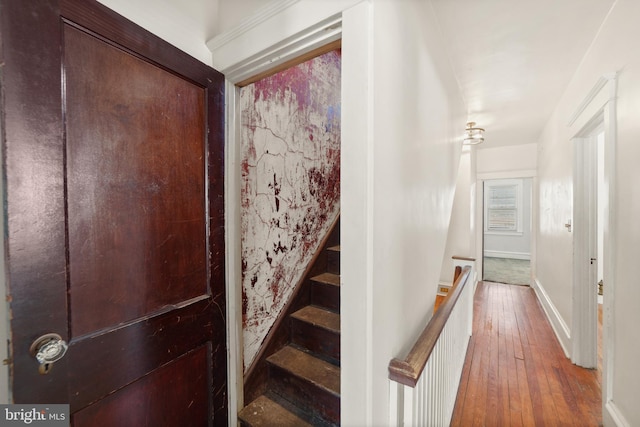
{"x":276,"y":165}
{"x":589,"y":214}
{"x":507,"y":231}
{"x":594,"y":128}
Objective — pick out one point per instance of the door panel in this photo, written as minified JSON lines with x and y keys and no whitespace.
{"x":104,"y":363}
{"x":115,"y":236}
{"x":135,"y":183}
{"x":146,"y":401}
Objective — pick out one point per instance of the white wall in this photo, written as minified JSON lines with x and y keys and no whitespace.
{"x":615,"y":49}
{"x":417,"y":119}
{"x":506,"y":162}
{"x":185,"y":24}
{"x":461,"y":238}
{"x":233,"y":12}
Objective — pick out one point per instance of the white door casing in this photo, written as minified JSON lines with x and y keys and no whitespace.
{"x":278,"y":33}
{"x":597,"y":111}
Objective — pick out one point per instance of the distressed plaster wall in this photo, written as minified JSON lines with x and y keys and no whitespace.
{"x":291,"y":184}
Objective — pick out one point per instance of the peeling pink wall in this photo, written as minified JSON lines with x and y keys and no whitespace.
{"x":291,"y":184}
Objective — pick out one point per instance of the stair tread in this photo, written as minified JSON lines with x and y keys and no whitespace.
{"x":312,"y":369}
{"x":264,"y":412}
{"x":319,"y":317}
{"x":327,"y":278}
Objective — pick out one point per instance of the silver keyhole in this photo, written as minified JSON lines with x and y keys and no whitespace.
{"x":48,"y":349}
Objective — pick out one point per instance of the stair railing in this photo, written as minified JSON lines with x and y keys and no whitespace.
{"x":424,"y":385}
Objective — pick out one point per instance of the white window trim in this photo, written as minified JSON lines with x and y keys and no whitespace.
{"x":519,"y":206}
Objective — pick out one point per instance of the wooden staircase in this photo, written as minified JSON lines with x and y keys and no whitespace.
{"x":303,"y":377}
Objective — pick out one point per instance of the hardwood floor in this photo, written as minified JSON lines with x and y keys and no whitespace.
{"x":515,"y":372}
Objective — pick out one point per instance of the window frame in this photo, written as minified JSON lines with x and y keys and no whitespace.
{"x":517,"y":184}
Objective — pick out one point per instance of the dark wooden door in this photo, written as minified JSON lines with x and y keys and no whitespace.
{"x":113,"y":157}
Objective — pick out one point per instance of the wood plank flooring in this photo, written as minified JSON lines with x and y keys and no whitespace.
{"x":515,"y":372}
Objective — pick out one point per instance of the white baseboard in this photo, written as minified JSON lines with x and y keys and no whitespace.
{"x":558,"y":324}
{"x":511,"y":255}
{"x":612,"y":417}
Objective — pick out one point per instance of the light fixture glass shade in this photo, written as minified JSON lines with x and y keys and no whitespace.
{"x":473,"y":135}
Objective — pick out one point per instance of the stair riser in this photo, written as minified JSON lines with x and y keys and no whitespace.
{"x":327,"y":296}
{"x":305,"y":395}
{"x":333,"y":262}
{"x":317,"y":340}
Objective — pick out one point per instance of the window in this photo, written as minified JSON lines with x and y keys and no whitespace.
{"x":503,"y":206}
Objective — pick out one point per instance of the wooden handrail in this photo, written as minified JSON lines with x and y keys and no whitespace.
{"x":408,"y":370}
{"x":463,"y":258}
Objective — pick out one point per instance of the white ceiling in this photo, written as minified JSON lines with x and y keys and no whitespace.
{"x":514,"y":58}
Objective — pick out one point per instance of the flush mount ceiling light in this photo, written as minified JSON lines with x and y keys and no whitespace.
{"x":473,"y":135}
